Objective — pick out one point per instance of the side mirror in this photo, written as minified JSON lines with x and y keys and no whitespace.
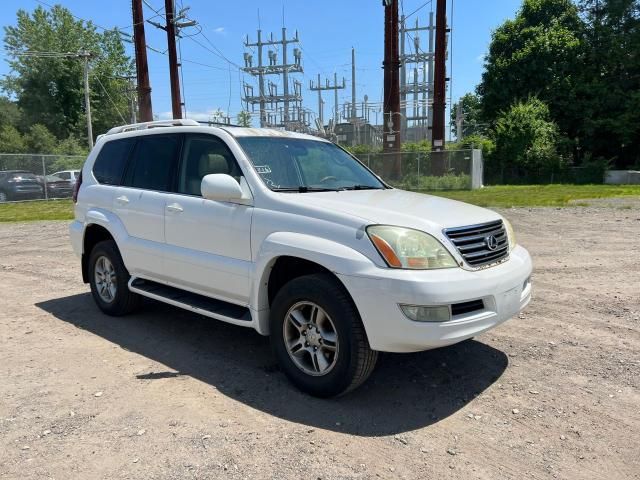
{"x":221,"y":188}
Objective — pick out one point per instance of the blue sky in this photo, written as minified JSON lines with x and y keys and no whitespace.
{"x":328,"y":29}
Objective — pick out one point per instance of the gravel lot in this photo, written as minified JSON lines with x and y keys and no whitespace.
{"x":166,"y":394}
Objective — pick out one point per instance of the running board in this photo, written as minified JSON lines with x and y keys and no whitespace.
{"x":209,"y":307}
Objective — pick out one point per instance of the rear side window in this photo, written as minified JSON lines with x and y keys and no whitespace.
{"x":112,"y":160}
{"x":153,"y":163}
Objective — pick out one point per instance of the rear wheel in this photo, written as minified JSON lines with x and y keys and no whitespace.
{"x":318,"y":337}
{"x":109,"y":280}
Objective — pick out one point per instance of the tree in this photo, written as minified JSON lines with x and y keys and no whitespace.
{"x":49,"y":86}
{"x":611,"y":81}
{"x":40,"y":140}
{"x":244,"y":119}
{"x":539,"y":53}
{"x":525,"y":144}
{"x":10,"y":114}
{"x":11,"y":140}
{"x":472,"y":124}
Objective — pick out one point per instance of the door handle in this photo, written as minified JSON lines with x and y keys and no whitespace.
{"x":122,"y":200}
{"x":174,"y":207}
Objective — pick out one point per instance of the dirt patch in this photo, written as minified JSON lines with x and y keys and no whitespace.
{"x":165,"y":394}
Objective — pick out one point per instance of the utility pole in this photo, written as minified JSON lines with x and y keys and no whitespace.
{"x":327,"y":86}
{"x":274,"y":68}
{"x":87,"y":99}
{"x":170,"y":27}
{"x":392,"y":115}
{"x":142,"y":67}
{"x":440,"y":81}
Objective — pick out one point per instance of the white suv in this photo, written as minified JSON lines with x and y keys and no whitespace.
{"x":290,"y":235}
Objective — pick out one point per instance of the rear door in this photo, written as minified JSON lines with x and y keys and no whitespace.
{"x":140,"y":202}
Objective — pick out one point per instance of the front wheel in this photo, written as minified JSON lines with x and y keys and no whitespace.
{"x":318,"y":337}
{"x":109,"y":278}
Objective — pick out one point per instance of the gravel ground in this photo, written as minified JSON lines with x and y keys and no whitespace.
{"x":166,"y":394}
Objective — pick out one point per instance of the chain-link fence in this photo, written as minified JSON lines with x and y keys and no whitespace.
{"x":447,"y":170}
{"x":38,"y":177}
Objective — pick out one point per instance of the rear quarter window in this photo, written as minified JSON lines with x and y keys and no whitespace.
{"x":112,"y":161}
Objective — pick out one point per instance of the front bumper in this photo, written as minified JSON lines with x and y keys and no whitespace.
{"x":377,"y":293}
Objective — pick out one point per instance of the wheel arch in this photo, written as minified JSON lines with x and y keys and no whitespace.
{"x":284,"y":256}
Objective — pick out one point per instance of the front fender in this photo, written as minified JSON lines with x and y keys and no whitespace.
{"x":333,"y":256}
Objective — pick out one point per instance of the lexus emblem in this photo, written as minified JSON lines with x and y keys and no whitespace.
{"x":492,"y":242}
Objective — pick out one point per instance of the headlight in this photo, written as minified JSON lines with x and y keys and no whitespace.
{"x":511,"y":235}
{"x":411,"y":249}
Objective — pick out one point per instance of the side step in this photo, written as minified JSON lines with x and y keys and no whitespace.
{"x":209,"y":307}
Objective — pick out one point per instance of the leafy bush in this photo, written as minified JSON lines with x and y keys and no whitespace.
{"x":525,"y":145}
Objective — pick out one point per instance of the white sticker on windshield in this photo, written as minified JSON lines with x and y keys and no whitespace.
{"x":263,"y":169}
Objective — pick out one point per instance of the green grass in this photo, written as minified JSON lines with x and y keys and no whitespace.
{"x":500,"y":196}
{"x":36,"y":210}
{"x":538,"y":195}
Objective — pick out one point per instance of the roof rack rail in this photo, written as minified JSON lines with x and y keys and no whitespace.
{"x":185,"y":122}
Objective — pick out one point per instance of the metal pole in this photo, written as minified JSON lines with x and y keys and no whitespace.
{"x":335,"y":98}
{"x":142,"y":67}
{"x":285,"y":77}
{"x":176,"y":104}
{"x":87,"y":99}
{"x":44,"y":178}
{"x":403,"y":78}
{"x":431,"y":77}
{"x":440,"y":83}
{"x":354,"y":112}
{"x":261,"y":82}
{"x":391,"y":67}
{"x":320,"y":113}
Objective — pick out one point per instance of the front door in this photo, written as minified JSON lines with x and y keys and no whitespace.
{"x":208,"y":242}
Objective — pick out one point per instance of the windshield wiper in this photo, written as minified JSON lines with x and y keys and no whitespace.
{"x":303,"y":189}
{"x":361,"y":187}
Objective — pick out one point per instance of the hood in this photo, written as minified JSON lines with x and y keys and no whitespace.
{"x":398,"y":207}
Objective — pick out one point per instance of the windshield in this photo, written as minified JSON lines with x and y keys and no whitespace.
{"x":295,"y":164}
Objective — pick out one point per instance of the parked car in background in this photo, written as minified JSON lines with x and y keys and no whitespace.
{"x":19,"y":185}
{"x":56,"y":187}
{"x":70,"y":176}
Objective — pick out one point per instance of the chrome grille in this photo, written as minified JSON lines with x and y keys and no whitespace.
{"x":480,"y":244}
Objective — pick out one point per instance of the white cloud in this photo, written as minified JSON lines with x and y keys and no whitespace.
{"x":220,"y":31}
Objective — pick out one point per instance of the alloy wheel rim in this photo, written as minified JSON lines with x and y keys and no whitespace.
{"x":105,"y":276}
{"x":311,"y":338}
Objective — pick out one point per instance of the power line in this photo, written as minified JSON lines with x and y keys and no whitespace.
{"x":418,"y":9}
{"x":109,"y":97}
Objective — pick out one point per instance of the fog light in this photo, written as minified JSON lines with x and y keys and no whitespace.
{"x":419,"y":313}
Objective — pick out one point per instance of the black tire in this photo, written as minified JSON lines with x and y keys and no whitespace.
{"x":124,"y":301}
{"x":354,"y":360}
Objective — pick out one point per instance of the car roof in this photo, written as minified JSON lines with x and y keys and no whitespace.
{"x":187,"y":125}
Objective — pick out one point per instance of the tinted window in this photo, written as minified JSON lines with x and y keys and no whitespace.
{"x":64,"y":175}
{"x":112,"y":160}
{"x":153,"y":162}
{"x":203,"y":155}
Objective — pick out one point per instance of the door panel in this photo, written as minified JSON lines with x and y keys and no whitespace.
{"x":142,"y":213}
{"x":208,"y":242}
{"x":140,"y":202}
{"x":208,"y":246}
